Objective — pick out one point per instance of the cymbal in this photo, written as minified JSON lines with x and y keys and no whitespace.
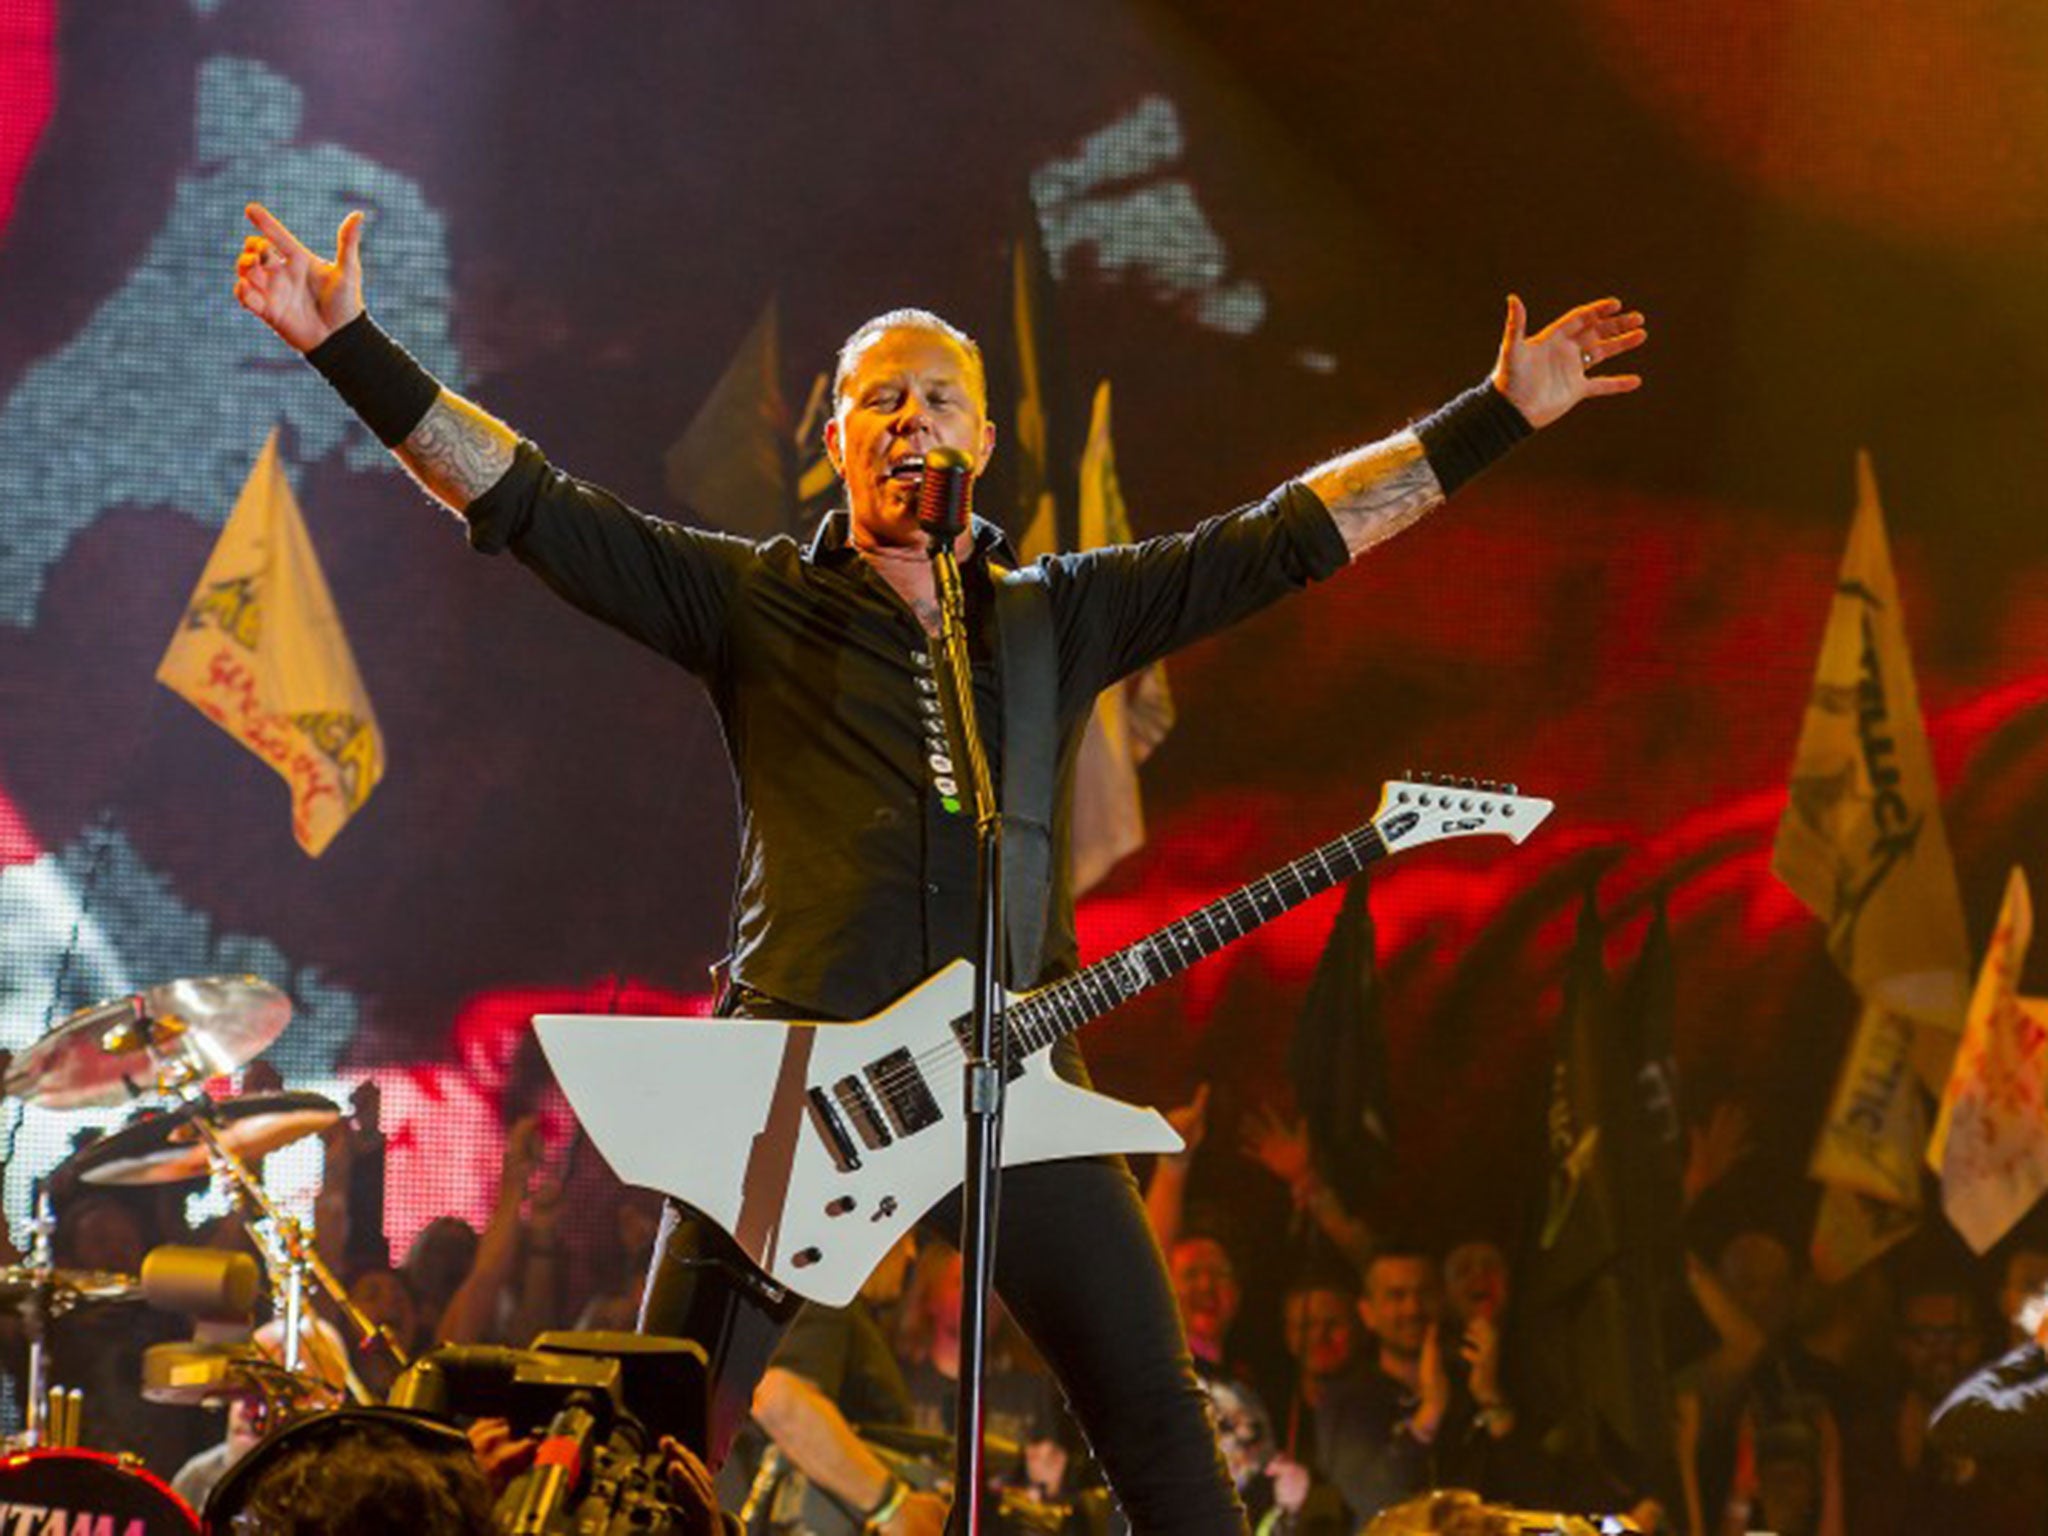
{"x":68,"y":1287}
{"x":109,"y":1053}
{"x":167,"y":1149}
{"x":192,"y":1375}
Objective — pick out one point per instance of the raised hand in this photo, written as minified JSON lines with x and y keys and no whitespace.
{"x":1433,"y":1387}
{"x":302,"y":296}
{"x":1547,"y":374}
{"x":1191,"y":1120}
{"x":525,"y":1151}
{"x":1715,"y":1148}
{"x":1277,"y":1144}
{"x":1481,"y":1350}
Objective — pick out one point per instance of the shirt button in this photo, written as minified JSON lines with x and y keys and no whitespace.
{"x":931,"y":889}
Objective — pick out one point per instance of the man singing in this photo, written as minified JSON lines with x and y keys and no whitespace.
{"x":857,"y":853}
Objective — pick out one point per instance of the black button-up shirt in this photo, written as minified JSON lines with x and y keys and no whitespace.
{"x":857,"y":853}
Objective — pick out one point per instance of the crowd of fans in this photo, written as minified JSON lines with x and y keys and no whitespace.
{"x":1386,"y":1367}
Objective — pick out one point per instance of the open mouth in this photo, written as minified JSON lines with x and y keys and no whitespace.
{"x":908,"y":468}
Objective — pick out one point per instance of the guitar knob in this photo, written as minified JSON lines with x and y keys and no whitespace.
{"x":804,"y":1258}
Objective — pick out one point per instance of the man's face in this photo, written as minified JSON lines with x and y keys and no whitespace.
{"x":910,"y":390}
{"x":1322,"y":1331}
{"x":1400,"y":1302}
{"x":1205,"y":1285}
{"x":1939,"y":1342}
{"x":1476,"y":1281}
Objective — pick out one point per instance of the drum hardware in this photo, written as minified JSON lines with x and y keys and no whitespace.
{"x":64,"y":1416}
{"x":41,"y":1293}
{"x":187,"y":1374}
{"x":294,"y":1265}
{"x":169,"y":1040}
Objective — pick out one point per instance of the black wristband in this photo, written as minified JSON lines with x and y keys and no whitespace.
{"x":376,"y":378}
{"x":1464,"y":436}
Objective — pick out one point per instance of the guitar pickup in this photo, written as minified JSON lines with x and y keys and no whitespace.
{"x":904,"y":1092}
{"x":862,"y":1110}
{"x":833,"y":1131}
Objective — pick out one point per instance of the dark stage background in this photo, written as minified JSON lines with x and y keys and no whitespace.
{"x":1279,"y":230}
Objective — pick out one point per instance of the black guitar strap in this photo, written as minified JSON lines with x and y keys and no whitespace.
{"x":1028,"y":659}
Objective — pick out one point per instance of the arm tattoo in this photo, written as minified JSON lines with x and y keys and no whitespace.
{"x":1376,"y":491}
{"x":458,"y":451}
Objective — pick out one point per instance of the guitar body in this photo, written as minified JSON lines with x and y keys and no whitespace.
{"x":816,"y":1146}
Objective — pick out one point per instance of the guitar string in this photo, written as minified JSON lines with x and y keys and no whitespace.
{"x":1094,"y":978}
{"x":1355,"y":847}
{"x":1236,"y":903}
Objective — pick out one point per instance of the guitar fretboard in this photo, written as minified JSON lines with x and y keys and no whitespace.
{"x":1042,"y":1017}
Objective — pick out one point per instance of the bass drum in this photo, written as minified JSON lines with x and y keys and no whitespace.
{"x":88,"y":1491}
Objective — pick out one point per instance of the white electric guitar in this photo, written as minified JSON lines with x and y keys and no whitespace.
{"x":817,"y":1144}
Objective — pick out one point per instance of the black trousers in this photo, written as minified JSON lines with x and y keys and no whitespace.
{"x":1078,"y":1268}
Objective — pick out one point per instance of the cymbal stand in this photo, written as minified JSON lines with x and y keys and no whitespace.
{"x":36,"y":1317}
{"x":292,"y":1260}
{"x":289,"y":1256}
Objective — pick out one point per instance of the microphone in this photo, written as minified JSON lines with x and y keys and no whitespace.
{"x":945,"y":495}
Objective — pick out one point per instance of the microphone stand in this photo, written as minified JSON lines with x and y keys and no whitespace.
{"x":988,"y":1059}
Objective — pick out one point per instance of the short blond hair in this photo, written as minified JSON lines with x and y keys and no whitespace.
{"x":907,"y":320}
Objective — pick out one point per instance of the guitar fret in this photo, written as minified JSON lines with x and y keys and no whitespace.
{"x":1064,"y":1006}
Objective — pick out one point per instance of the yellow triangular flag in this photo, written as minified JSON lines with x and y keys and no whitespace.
{"x":1861,"y":842}
{"x":1875,"y":1133}
{"x":1990,"y":1142}
{"x":1851,"y":1229}
{"x":1131,"y":717}
{"x":260,"y":653}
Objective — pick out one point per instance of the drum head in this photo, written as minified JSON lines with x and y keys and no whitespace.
{"x":89,"y":1491}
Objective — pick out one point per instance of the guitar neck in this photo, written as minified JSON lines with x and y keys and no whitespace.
{"x":1039,"y":1018}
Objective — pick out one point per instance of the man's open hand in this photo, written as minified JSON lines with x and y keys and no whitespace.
{"x":303,"y":297}
{"x":1547,"y":374}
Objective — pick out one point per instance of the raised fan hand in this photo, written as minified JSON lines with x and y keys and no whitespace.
{"x":1547,"y":374}
{"x":299,"y":294}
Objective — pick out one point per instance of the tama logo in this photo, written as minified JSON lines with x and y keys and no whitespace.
{"x":45,"y":1520}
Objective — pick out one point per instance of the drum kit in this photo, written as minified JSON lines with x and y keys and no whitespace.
{"x":165,"y":1044}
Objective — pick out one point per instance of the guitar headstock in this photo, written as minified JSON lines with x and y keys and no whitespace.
{"x":1427,"y":808}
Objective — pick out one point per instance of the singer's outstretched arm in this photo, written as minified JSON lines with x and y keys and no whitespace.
{"x":456,"y":450}
{"x":1375,"y":491}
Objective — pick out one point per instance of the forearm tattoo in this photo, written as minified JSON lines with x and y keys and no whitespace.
{"x":1376,"y":491}
{"x":458,"y":451}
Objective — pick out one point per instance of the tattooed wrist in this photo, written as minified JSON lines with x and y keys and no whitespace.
{"x":1376,"y":491}
{"x":458,"y":451}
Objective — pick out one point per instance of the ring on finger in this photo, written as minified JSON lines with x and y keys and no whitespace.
{"x":1585,"y":359}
